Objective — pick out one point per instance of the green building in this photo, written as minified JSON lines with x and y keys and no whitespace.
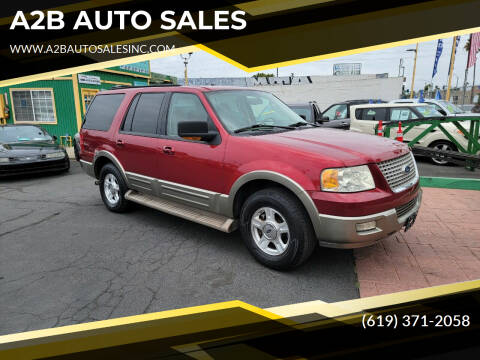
{"x":59,"y":104}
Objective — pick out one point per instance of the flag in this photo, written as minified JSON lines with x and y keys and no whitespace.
{"x":457,"y":40}
{"x":437,"y":56}
{"x":421,"y":99}
{"x":474,"y":46}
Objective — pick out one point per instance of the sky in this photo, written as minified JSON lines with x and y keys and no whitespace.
{"x":202,"y":64}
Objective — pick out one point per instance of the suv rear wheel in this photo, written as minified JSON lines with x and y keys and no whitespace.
{"x":113,"y":188}
{"x":276,"y":229}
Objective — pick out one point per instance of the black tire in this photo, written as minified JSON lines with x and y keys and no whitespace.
{"x":443,"y":145}
{"x":68,"y":166}
{"x":301,"y":238}
{"x":76,"y":150}
{"x":122,"y":204}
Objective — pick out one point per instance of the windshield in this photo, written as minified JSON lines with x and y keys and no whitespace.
{"x":427,"y":111}
{"x":13,"y":134}
{"x":243,"y":108}
{"x":451,"y":108}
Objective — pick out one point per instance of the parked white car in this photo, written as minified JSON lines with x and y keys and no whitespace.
{"x":442,"y":106}
{"x":364,"y":119}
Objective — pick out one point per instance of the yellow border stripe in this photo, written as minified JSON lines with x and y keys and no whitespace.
{"x":353,"y":306}
{"x":340,"y":53}
{"x":99,"y":66}
{"x":71,"y":329}
{"x":193,"y":48}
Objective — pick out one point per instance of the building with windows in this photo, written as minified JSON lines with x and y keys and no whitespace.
{"x":59,"y":104}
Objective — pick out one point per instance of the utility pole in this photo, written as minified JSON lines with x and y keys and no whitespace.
{"x":414,"y":69}
{"x":452,"y":63}
{"x":185,"y":58}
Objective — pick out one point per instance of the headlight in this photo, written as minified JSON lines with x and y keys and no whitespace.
{"x":55,"y":155}
{"x":4,"y":159}
{"x":349,"y":179}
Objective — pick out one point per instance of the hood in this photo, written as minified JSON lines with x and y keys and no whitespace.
{"x":350,"y":148}
{"x":28,"y":148}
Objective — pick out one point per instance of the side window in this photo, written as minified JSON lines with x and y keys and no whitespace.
{"x":373,"y":114}
{"x":337,"y":112}
{"x":400,"y":114}
{"x":185,"y":107}
{"x":147,"y":111}
{"x":101,"y":111}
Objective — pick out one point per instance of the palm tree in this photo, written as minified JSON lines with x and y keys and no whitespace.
{"x":467,"y":46}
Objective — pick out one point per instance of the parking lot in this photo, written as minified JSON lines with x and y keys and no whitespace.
{"x":66,"y":259}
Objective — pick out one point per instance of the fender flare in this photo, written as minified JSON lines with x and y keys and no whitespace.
{"x":113,"y":159}
{"x":283,"y":180}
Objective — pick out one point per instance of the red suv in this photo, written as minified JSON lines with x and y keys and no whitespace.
{"x":237,"y":158}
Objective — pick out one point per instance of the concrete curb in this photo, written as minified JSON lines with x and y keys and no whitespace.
{"x":450,"y":183}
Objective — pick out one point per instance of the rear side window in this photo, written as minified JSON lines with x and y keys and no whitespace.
{"x":101,"y":111}
{"x":147,"y":111}
{"x":373,"y":114}
{"x":400,"y":114}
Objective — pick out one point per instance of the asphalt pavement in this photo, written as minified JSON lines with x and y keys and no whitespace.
{"x":65,"y":259}
{"x":427,"y":168}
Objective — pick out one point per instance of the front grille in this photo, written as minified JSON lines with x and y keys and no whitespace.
{"x":37,"y":166}
{"x":405,"y":208}
{"x":396,"y":174}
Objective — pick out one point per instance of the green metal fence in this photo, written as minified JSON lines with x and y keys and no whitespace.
{"x":471,"y":134}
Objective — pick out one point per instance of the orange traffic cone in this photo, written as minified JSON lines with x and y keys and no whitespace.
{"x":380,"y":128}
{"x":400,"y":132}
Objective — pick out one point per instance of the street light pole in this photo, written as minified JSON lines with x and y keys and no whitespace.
{"x":414,"y":69}
{"x":185,"y":59}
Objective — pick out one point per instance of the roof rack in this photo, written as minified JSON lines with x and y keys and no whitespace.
{"x":141,"y":86}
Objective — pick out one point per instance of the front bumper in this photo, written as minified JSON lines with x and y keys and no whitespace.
{"x":33,"y":167}
{"x":341,"y":232}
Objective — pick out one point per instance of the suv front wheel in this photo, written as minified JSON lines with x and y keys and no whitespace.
{"x":113,"y":189}
{"x":276,"y":229}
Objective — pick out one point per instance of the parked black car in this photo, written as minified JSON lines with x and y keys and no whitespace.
{"x":28,"y":149}
{"x":311,"y":113}
{"x":308,"y":111}
{"x":338,"y":115}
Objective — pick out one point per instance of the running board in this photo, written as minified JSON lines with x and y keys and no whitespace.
{"x":199,"y":216}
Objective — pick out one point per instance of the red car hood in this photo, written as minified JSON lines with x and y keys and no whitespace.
{"x":349,"y":147}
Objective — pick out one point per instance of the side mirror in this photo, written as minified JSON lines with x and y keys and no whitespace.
{"x":195,"y":130}
{"x":54,"y":137}
{"x":443,"y":112}
{"x":323,"y":119}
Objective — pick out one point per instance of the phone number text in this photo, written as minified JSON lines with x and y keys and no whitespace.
{"x":394,"y":321}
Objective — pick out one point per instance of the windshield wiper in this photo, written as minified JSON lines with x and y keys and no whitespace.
{"x":256,"y":126}
{"x":303,"y":123}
